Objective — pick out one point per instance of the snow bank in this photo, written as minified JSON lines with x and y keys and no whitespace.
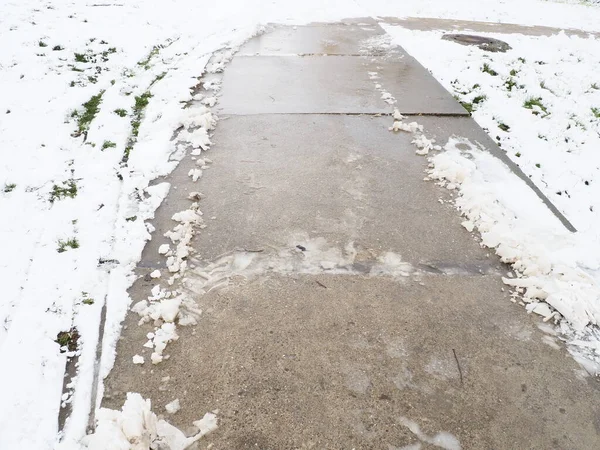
{"x":538,"y":102}
{"x":551,"y":264}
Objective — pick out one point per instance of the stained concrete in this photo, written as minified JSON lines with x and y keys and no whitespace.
{"x":336,"y":358}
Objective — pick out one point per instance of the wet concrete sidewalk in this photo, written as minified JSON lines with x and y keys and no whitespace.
{"x":341,"y":300}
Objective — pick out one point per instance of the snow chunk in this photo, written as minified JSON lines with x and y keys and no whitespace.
{"x":198,"y":139}
{"x":136,"y":427}
{"x":155,"y":274}
{"x":163,"y":249}
{"x":173,"y":406}
{"x":137,"y":359}
{"x":198,"y":118}
{"x":423,"y":144}
{"x":195,"y":196}
{"x":468,"y":225}
{"x":209,"y":101}
{"x":195,"y":174}
{"x":207,"y":424}
{"x":165,"y":334}
{"x":411,"y":127}
{"x":388,"y":98}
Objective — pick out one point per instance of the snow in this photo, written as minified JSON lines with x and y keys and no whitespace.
{"x":91,"y":185}
{"x":173,"y":407}
{"x":424,"y":144}
{"x":552,"y":264}
{"x":136,"y":427}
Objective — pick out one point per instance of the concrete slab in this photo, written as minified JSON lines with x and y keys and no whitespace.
{"x":343,"y":178}
{"x":292,"y":364}
{"x":332,"y":39}
{"x":331,"y":84}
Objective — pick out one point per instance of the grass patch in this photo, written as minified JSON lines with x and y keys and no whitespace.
{"x":510,"y":84}
{"x":479,"y":99}
{"x":531,"y":103}
{"x":42,"y":44}
{"x":468,"y":106}
{"x":87,"y":300}
{"x":105,"y":53}
{"x":57,"y":48}
{"x":141,"y":101}
{"x":522,"y":60}
{"x":90,"y":109}
{"x":120,"y":112}
{"x":108,"y":144}
{"x":595,"y":86}
{"x":538,"y":165}
{"x":9,"y":187}
{"x":518,"y":154}
{"x":145,"y":63}
{"x":513,"y":73}
{"x":81,"y":57}
{"x":487,"y":69}
{"x":68,"y":189}
{"x":63,"y":246}
{"x":158,"y":78}
{"x":503,"y":127}
{"x":596,"y":112}
{"x":68,"y":339}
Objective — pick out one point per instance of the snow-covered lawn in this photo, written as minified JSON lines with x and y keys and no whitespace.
{"x":90,"y":96}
